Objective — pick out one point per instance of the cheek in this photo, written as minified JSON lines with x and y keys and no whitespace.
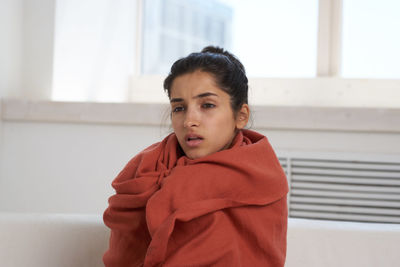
{"x":224,"y":124}
{"x":176,"y":124}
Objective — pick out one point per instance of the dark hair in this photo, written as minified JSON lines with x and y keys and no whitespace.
{"x":227,"y":70}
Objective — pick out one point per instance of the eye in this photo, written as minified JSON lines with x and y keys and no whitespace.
{"x":208,"y":105}
{"x":177,"y":109}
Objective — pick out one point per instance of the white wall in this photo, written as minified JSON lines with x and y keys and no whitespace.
{"x":26,"y":48}
{"x":26,"y":51}
{"x":65,"y":167}
{"x":10,"y":47}
{"x":62,"y":157}
{"x":38,"y":44}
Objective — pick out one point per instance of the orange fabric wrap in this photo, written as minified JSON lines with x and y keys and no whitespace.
{"x":225,"y":209}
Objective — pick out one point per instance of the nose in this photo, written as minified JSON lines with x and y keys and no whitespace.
{"x":192,"y":118}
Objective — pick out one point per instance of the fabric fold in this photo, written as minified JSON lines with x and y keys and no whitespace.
{"x":232,"y":195}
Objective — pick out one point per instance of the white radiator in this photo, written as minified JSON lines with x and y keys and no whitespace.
{"x":343,"y":187}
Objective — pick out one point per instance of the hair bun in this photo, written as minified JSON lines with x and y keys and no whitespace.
{"x":213,"y":49}
{"x":221,"y":51}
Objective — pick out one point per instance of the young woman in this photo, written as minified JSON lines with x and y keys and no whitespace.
{"x":209,"y":194}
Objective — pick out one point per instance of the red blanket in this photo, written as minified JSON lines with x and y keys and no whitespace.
{"x":225,"y":209}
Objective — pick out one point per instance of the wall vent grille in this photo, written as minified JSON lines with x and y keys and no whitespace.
{"x":346,"y":190}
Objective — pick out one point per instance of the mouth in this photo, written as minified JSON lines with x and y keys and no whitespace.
{"x":193,"y":140}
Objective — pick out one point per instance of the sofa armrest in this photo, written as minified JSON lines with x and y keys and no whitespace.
{"x":48,"y":240}
{"x":336,"y":243}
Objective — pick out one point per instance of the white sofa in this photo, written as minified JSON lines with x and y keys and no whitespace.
{"x":52,"y":240}
{"x":65,"y":240}
{"x":313,"y":243}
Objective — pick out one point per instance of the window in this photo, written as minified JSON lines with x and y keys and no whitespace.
{"x":94,"y":50}
{"x":175,"y":28}
{"x":295,"y":52}
{"x":371,"y":39}
{"x":272,"y":38}
{"x":276,"y":38}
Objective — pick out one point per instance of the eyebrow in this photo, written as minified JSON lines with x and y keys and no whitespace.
{"x":174,"y":100}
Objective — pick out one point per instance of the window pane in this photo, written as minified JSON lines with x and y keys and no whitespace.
{"x":371,"y":39}
{"x":94,"y":50}
{"x":175,"y":28}
{"x":277,"y":38}
{"x":272,"y":38}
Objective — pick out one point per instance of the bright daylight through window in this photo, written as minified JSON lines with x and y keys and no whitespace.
{"x":371,"y":39}
{"x":109,"y":50}
{"x":272,"y":38}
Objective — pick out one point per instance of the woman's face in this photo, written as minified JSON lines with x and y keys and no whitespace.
{"x":202,"y":117}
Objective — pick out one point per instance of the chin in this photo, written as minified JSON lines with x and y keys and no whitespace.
{"x":194,"y":155}
{"x":191,"y":156}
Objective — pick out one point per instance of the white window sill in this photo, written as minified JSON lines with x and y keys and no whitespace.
{"x":265,"y":116}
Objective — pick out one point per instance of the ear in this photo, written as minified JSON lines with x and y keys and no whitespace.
{"x":242,"y":117}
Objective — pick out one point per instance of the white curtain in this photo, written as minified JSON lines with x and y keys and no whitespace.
{"x":94,"y":50}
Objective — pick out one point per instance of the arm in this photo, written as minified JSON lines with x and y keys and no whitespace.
{"x":242,"y":236}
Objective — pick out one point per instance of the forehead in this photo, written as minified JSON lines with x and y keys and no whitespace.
{"x":194,"y":83}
